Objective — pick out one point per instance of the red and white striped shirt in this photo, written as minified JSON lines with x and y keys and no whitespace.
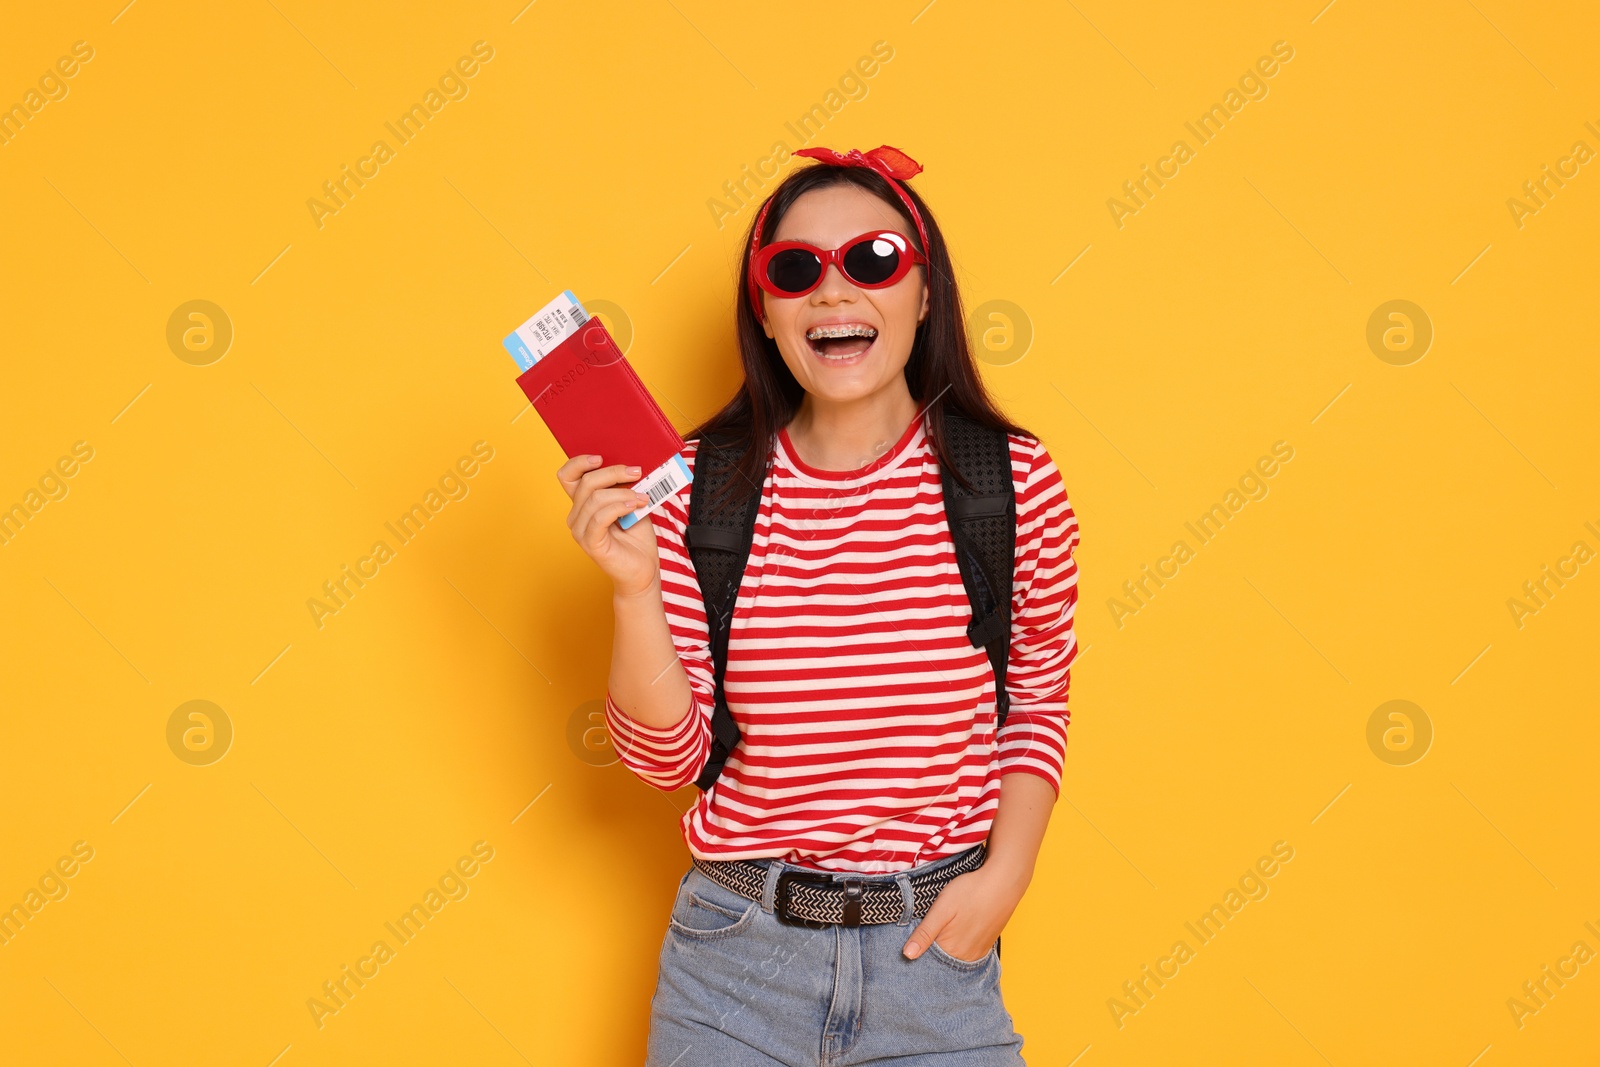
{"x":867,"y":717}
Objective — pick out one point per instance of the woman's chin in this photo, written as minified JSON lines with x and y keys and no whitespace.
{"x":842,"y":388}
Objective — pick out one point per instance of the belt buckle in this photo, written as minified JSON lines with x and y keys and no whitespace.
{"x":781,"y":897}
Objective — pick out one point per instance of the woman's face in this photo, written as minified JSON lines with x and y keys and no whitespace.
{"x":844,"y":368}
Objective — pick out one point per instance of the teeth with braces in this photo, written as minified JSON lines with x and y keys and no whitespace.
{"x":848,"y":329}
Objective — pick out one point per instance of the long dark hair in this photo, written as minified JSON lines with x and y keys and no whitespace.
{"x":940,"y":372}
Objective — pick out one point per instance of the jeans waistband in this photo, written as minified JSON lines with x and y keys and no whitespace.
{"x":913,"y":892}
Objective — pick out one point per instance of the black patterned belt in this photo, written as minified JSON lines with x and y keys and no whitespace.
{"x":842,"y":897}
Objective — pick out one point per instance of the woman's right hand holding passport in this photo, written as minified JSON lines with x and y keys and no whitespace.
{"x":600,"y":496}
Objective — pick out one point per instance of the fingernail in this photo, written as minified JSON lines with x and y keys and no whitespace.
{"x":633,"y":470}
{"x":592,"y":459}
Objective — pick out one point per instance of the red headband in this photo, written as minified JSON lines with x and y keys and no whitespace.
{"x":888,"y":161}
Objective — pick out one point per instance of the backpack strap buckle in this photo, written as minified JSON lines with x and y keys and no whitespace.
{"x":985,"y":631}
{"x":714,"y":537}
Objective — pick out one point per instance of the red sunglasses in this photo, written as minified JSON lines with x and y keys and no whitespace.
{"x":874,"y":260}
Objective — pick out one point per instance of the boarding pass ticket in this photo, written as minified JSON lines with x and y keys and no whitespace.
{"x":539,"y":336}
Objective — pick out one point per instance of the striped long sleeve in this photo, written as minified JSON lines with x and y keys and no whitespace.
{"x":672,"y":758}
{"x":1043,"y":641}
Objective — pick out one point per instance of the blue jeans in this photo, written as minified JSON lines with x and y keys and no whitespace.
{"x":739,"y":988}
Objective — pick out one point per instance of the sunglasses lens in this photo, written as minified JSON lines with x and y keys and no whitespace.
{"x":872,"y":262}
{"x":794,"y":270}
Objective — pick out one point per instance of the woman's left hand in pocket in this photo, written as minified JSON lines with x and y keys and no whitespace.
{"x":968,"y":914}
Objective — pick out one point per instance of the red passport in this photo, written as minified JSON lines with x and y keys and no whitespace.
{"x":594,"y":402}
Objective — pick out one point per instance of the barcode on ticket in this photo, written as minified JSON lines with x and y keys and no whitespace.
{"x":657,"y":487}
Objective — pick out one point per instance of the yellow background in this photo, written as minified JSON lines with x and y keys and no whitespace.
{"x":434,"y":708}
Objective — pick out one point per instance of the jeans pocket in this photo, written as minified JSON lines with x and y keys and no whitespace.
{"x":960,"y":964}
{"x":695,"y":915}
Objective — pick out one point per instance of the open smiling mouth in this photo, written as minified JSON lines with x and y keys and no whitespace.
{"x":841,"y":341}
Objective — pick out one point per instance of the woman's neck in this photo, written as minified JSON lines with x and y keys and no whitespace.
{"x":844,"y":436}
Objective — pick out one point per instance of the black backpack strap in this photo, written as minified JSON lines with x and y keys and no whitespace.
{"x":983,"y":526}
{"x":718,"y":536}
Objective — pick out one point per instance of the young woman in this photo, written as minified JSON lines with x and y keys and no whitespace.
{"x":869,"y":770}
